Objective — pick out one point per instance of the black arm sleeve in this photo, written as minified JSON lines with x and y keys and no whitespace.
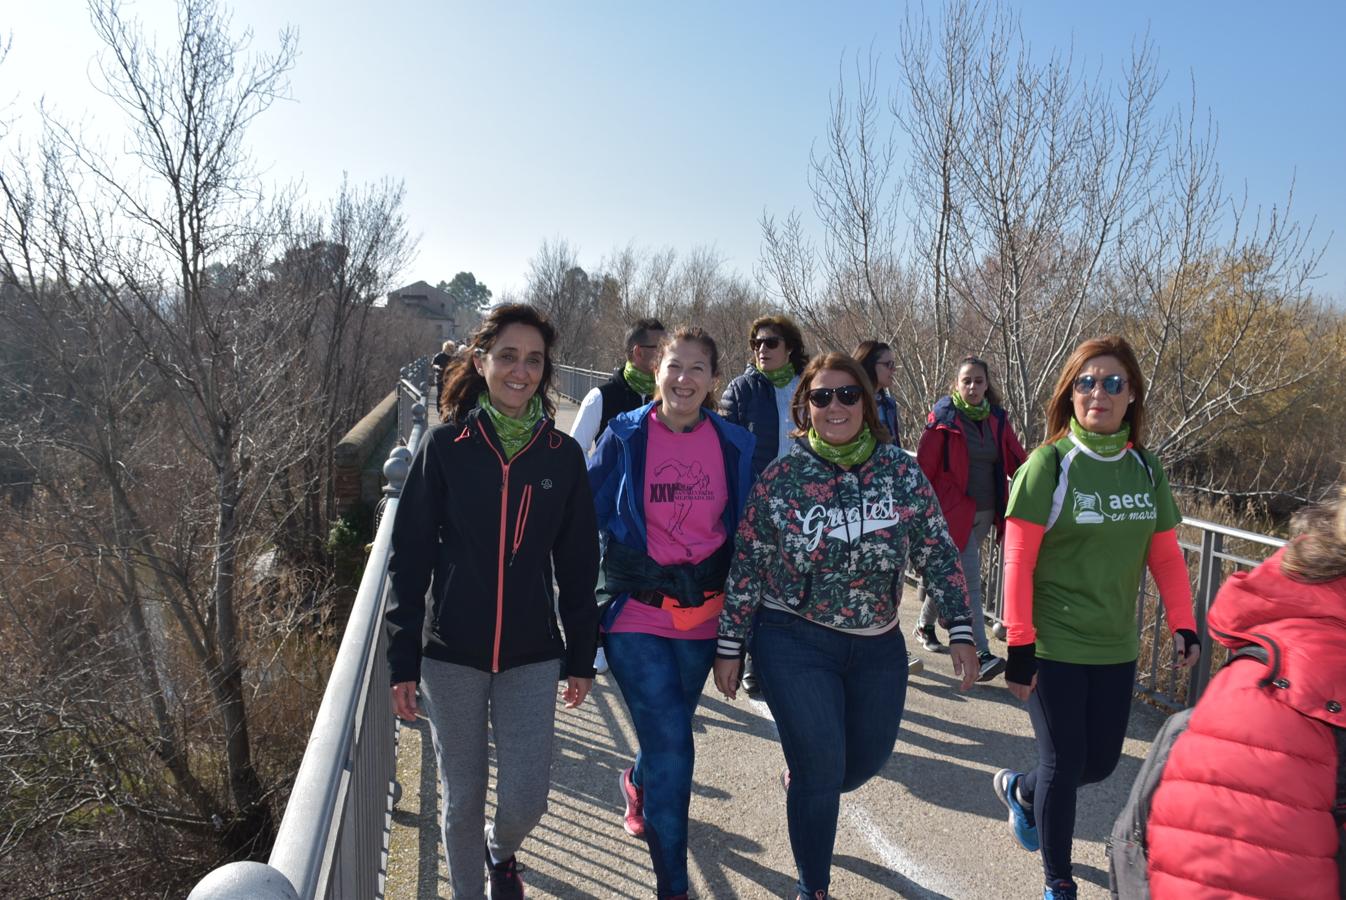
{"x":575,"y":560}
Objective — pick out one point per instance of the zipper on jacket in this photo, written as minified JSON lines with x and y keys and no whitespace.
{"x":504,"y":518}
{"x":443,"y":598}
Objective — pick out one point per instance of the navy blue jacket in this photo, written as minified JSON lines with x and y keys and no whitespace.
{"x":887,"y":409}
{"x":750,"y":401}
{"x":617,"y":477}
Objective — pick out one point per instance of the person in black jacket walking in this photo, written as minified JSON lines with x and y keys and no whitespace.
{"x":759,"y":400}
{"x":497,"y":501}
{"x":629,"y":387}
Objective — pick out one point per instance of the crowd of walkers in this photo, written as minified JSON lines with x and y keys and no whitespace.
{"x":764,"y":538}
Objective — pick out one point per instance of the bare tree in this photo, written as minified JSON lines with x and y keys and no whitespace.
{"x":1041,"y":205}
{"x":178,"y":348}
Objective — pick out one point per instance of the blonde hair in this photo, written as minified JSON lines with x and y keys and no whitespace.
{"x":1318,"y":552}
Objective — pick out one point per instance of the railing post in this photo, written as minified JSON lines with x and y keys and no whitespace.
{"x":1208,"y":585}
{"x":244,"y":881}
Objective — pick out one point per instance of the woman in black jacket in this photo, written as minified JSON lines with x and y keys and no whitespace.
{"x":759,"y":399}
{"x":497,"y":499}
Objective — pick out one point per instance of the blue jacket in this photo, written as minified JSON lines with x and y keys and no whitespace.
{"x":887,"y":409}
{"x":617,"y":476}
{"x":750,"y":401}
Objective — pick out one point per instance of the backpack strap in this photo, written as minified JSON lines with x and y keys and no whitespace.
{"x":1149,"y":470}
{"x":1060,"y":488}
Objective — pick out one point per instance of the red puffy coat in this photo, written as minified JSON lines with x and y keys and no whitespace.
{"x":942,"y":456}
{"x":1245,"y":805}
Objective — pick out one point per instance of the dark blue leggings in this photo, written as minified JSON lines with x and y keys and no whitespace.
{"x":1079,"y":715}
{"x":661,"y":680}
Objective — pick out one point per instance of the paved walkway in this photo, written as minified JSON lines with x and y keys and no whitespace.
{"x":928,"y":826}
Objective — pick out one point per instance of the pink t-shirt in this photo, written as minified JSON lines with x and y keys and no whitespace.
{"x":684,"y":497}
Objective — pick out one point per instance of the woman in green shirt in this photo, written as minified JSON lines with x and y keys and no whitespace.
{"x":1088,"y":511}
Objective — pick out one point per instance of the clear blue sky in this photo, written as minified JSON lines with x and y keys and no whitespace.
{"x":676,"y":124}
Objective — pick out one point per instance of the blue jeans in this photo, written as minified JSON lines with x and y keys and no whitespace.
{"x":661,"y":680}
{"x":837,"y":700}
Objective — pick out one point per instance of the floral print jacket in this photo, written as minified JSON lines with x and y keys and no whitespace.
{"x":831,"y":545}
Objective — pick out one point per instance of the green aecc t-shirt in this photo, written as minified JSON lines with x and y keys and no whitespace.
{"x":1099,"y":515}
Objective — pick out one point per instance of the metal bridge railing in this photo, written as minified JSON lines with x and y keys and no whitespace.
{"x":331,"y":841}
{"x":573,"y":383}
{"x":412,"y":388}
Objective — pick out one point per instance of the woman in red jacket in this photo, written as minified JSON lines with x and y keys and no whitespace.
{"x":1245,"y":807}
{"x":968,"y":450}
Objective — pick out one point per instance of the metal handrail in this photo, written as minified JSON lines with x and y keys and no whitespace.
{"x":331,"y":836}
{"x":574,"y":383}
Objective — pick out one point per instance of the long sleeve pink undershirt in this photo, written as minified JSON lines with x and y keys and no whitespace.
{"x":1023,"y":540}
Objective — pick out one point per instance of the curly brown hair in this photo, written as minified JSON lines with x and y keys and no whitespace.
{"x":463,"y":384}
{"x":789,"y":332}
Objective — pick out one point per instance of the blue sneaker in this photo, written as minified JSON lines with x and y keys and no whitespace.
{"x":1059,"y":890}
{"x":1021,"y":824}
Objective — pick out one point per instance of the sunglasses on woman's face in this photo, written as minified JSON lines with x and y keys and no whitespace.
{"x":848,"y":395}
{"x":771,"y":343}
{"x":1113,"y":384}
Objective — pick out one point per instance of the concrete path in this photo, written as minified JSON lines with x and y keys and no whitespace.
{"x":928,"y":826}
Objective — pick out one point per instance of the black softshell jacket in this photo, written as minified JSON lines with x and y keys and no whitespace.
{"x":484,"y":536}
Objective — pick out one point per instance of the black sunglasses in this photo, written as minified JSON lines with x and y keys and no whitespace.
{"x":848,"y":395}
{"x":771,"y":343}
{"x":1113,"y":384}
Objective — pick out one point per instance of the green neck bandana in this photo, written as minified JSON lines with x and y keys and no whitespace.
{"x":779,"y":377}
{"x":852,"y":454}
{"x":513,"y":433}
{"x":975,"y":413}
{"x":640,"y":382}
{"x":1102,"y":444}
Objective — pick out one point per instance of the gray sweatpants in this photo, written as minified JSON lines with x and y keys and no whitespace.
{"x":521,"y":706}
{"x":970,"y":557}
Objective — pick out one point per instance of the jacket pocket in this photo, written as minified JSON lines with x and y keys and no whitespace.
{"x":550,"y":612}
{"x":521,"y":520}
{"x":444,"y":578}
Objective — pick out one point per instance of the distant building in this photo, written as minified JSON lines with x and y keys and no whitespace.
{"x":435,"y":306}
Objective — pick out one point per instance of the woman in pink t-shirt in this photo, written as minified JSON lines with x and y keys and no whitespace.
{"x":669,"y":482}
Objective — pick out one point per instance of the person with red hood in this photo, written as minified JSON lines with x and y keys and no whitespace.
{"x":968,"y":450}
{"x":1246,"y":804}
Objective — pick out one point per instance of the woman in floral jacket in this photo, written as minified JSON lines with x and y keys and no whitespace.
{"x":816,"y":579}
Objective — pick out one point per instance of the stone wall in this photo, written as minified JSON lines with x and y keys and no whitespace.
{"x":353,"y":454}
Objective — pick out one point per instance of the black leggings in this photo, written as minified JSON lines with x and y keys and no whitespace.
{"x":1079,"y":715}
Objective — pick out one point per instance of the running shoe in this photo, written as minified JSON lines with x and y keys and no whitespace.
{"x":926,"y":637}
{"x":506,"y":883}
{"x":991,"y":666}
{"x":1063,"y":889}
{"x":1021,"y":823}
{"x":633,"y":820}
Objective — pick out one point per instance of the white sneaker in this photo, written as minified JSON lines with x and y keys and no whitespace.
{"x":601,"y":662}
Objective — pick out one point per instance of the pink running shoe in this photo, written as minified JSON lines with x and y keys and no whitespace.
{"x":634,"y":818}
